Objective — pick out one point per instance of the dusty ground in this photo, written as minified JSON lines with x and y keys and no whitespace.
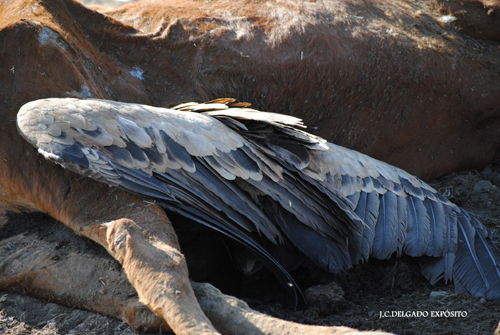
{"x":355,"y":299}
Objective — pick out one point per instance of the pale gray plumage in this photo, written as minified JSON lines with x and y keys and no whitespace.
{"x":253,"y":174}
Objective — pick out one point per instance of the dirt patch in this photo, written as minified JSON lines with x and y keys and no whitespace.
{"x":24,"y":315}
{"x":356,"y":299}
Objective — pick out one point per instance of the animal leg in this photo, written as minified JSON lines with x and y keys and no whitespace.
{"x":58,"y":267}
{"x":159,"y":273}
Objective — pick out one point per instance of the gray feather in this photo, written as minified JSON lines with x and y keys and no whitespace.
{"x":418,"y":228}
{"x":436,"y":244}
{"x":386,"y":230}
{"x":367,"y":210}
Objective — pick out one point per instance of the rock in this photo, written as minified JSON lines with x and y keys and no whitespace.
{"x":438,"y":294}
{"x":325,"y":298}
{"x":492,"y":175}
{"x":482,"y":186}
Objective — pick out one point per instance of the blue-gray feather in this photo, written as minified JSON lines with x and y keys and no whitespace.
{"x":386,"y":230}
{"x":418,"y":232}
{"x":253,"y":175}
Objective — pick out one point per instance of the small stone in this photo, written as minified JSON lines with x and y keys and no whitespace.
{"x":325,"y":299}
{"x":482,"y":301}
{"x":438,"y":294}
{"x":482,"y":186}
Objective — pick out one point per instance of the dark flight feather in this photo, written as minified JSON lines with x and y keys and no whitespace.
{"x":367,"y":209}
{"x":386,"y":230}
{"x":418,"y":227}
{"x":436,"y":243}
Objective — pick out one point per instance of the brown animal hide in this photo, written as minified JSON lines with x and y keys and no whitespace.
{"x":388,"y":78}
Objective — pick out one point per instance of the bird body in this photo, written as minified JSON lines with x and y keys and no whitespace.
{"x":252,"y":175}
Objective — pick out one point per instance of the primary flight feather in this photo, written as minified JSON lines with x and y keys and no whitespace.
{"x":253,"y":175}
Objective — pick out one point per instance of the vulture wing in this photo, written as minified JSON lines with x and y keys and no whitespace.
{"x":251,"y":174}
